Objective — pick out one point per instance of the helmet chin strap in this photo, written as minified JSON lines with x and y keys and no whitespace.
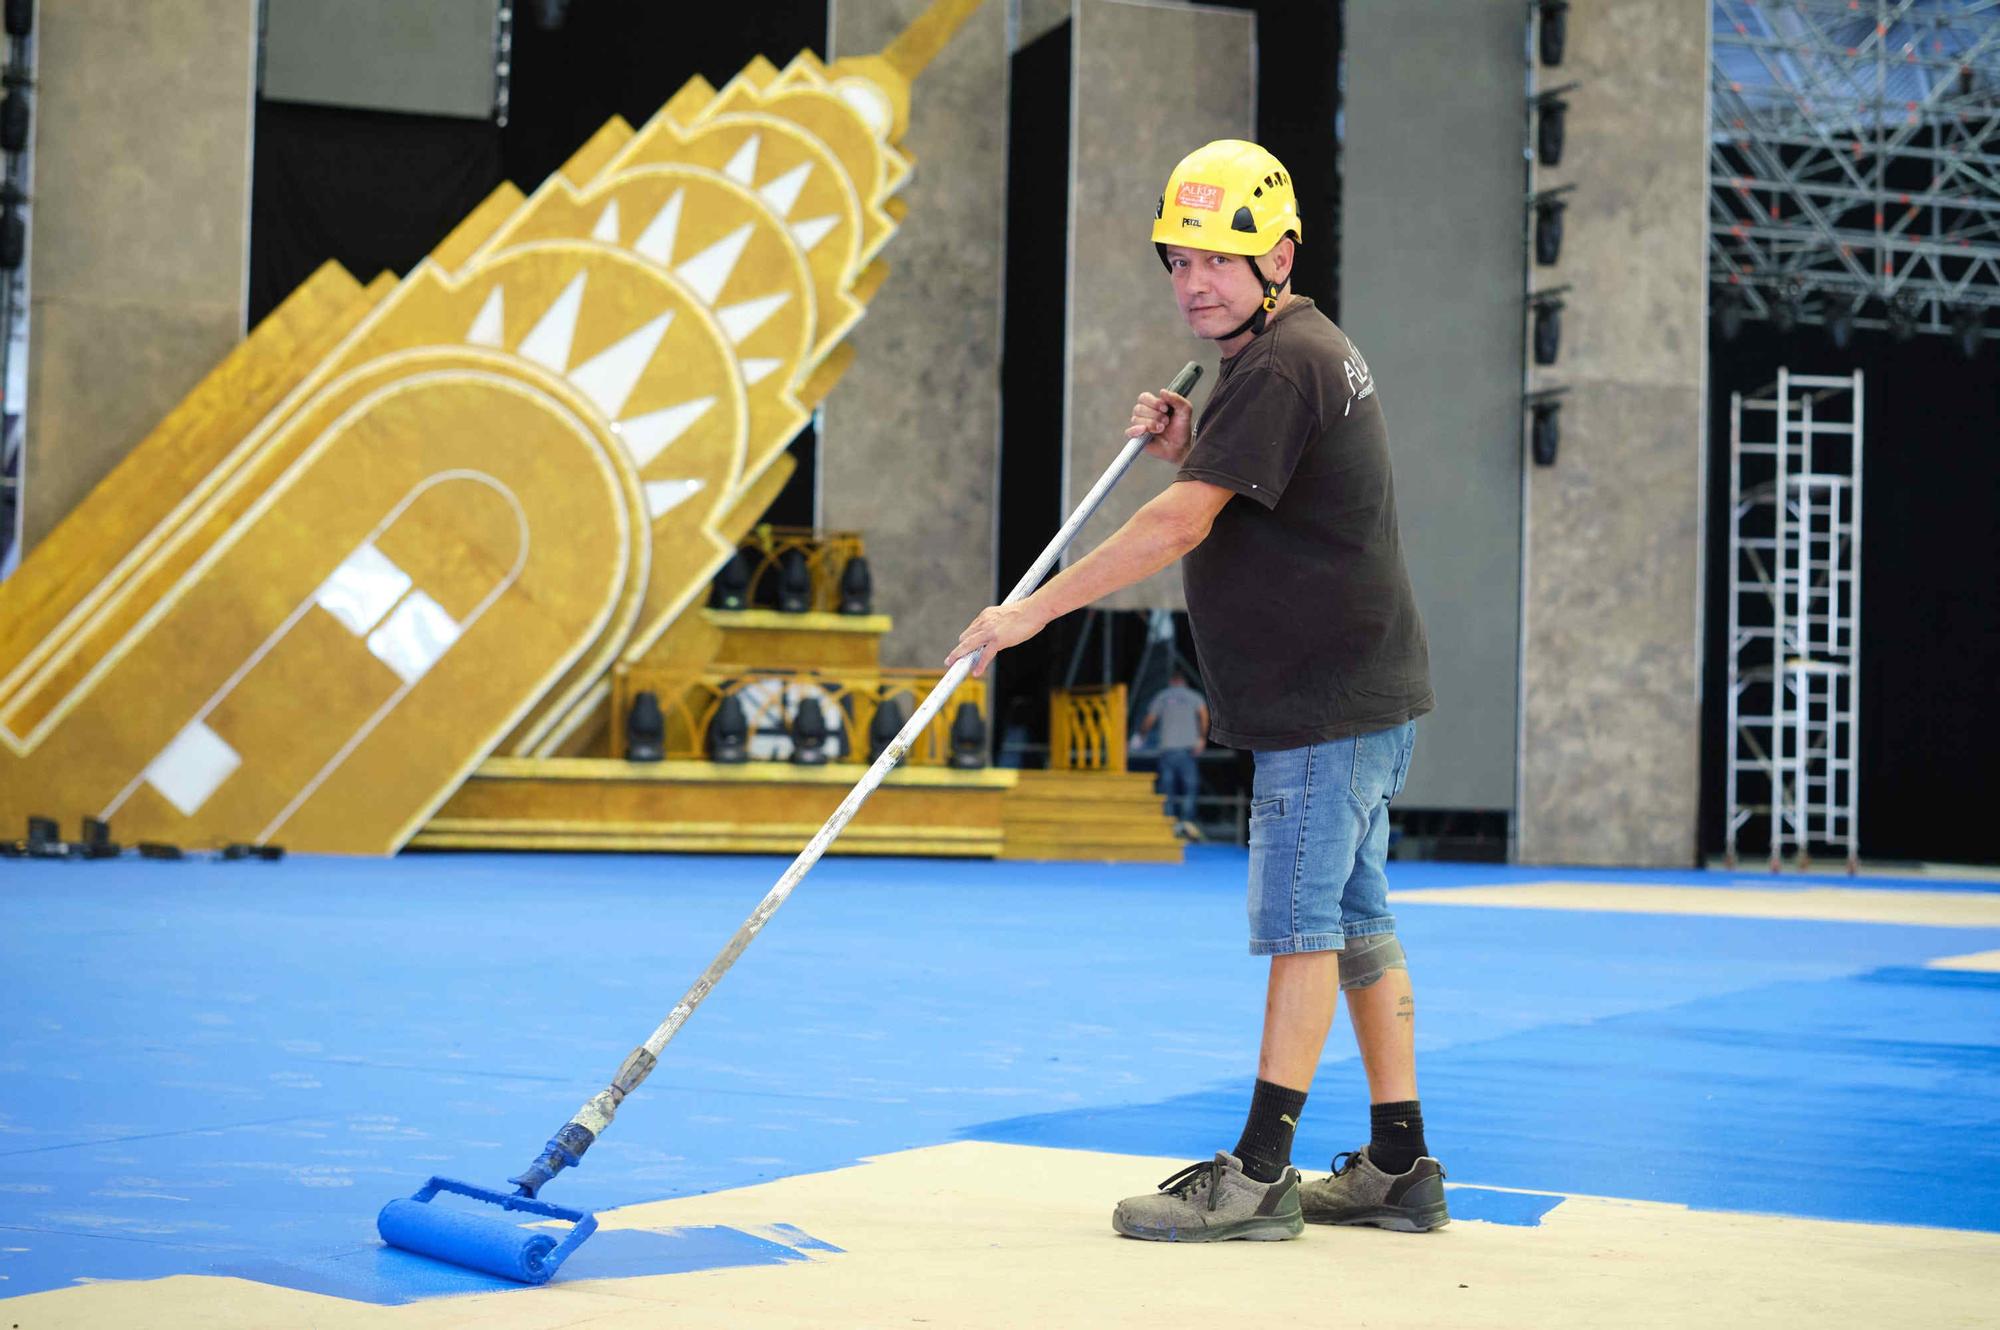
{"x":1255,"y":323}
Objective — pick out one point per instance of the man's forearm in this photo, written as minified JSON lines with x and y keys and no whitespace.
{"x":1150,"y":541}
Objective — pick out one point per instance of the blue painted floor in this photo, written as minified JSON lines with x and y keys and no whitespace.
{"x":228,"y":1068}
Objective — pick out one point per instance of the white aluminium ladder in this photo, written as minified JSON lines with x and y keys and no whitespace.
{"x":1795,"y":616}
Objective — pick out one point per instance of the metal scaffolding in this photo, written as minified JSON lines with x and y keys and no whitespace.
{"x":1795,"y":615}
{"x":1854,"y":163}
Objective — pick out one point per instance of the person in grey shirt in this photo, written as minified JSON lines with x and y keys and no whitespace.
{"x":1181,"y":714}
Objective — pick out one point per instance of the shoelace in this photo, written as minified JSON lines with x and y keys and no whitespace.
{"x":1346,"y":1160}
{"x":1184,"y":1183}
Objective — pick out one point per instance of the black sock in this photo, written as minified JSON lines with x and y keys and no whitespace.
{"x":1396,"y":1135}
{"x":1266,"y":1146}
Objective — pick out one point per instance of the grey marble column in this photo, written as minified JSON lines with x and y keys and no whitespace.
{"x":909,"y":446}
{"x":1610,"y":690}
{"x":140,"y":244}
{"x":1150,"y":84}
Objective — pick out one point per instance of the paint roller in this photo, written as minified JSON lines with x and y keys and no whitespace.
{"x":500,"y":1244}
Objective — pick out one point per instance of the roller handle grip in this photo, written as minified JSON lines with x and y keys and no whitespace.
{"x":564,"y":1150}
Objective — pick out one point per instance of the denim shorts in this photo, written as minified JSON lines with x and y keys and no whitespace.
{"x":1319,"y":836}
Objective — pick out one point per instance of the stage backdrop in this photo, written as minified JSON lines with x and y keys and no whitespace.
{"x":1431,"y":283}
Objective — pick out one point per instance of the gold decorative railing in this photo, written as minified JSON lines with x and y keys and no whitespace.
{"x":827,"y":553}
{"x":770,"y":698}
{"x":1087,"y":728}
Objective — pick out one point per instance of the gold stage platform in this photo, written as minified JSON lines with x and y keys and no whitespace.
{"x":513,"y":803}
{"x":759,"y":807}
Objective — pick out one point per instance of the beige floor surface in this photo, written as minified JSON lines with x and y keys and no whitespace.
{"x":1987,"y":962}
{"x":975,"y":1236}
{"x":1871,"y":905}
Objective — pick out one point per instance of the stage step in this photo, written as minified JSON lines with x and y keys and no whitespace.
{"x":1108,"y":816}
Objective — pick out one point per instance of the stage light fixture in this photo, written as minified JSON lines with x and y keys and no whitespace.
{"x":1788,"y":306}
{"x":1555,"y":30}
{"x":731,"y":589}
{"x":1902,"y":318}
{"x":97,"y":842}
{"x":1548,"y":307}
{"x":795,"y":587}
{"x":885,"y":725}
{"x":1840,"y":325}
{"x":857,"y":587}
{"x":729,"y":732}
{"x":809,"y":733}
{"x":14,"y":120}
{"x":1968,"y":329}
{"x":1548,"y":333}
{"x":1549,"y":226}
{"x":1547,"y":433}
{"x":1549,"y":112}
{"x":1729,"y":314}
{"x":968,"y":738}
{"x":645,"y":729}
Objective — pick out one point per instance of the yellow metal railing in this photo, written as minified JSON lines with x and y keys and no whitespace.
{"x":827,"y":553}
{"x":1087,"y":728}
{"x":770,"y":698}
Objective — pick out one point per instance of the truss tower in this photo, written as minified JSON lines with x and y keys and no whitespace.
{"x":1854,"y":163}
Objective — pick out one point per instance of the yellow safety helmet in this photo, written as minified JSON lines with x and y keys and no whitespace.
{"x":1230,"y":197}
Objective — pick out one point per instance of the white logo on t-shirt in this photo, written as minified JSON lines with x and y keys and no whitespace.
{"x":1359,"y":381}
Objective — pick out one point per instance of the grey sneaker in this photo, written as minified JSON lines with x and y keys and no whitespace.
{"x":1213,"y":1201}
{"x":1360,"y":1193}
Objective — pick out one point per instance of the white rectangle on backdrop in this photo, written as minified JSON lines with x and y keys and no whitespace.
{"x":424,"y":57}
{"x":190,"y":768}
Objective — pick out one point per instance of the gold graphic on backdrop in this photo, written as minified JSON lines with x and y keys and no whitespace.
{"x":401,"y":528}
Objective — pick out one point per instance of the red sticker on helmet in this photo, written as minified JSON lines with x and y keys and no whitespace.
{"x":1194,"y":194}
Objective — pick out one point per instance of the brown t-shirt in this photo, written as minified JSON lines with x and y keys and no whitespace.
{"x":1302,"y":611}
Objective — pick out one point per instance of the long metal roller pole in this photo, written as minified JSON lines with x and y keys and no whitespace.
{"x":596,"y":1114}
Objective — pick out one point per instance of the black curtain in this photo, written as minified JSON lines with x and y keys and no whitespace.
{"x":1930,"y":585}
{"x":1298,"y":109}
{"x":371,"y":189}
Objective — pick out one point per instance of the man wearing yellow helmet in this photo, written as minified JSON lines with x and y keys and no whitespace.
{"x":1316,"y":660}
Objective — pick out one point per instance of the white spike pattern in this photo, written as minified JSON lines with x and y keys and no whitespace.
{"x":739,"y":321}
{"x":656,"y":242}
{"x":708,"y":272}
{"x":663,"y":496}
{"x":812,"y":230}
{"x":742,"y":167}
{"x":547,"y":343}
{"x":608,"y":377}
{"x":783,"y":192}
{"x":607,"y":224}
{"x":490,"y":328}
{"x":647,"y":436}
{"x":759,"y":369}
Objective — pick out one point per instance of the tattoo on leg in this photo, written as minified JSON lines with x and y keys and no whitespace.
{"x":1406,"y":1009}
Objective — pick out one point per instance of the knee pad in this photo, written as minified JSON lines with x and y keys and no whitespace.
{"x":1367,"y":959}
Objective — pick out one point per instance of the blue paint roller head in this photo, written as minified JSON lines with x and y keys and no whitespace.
{"x":492,"y":1243}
